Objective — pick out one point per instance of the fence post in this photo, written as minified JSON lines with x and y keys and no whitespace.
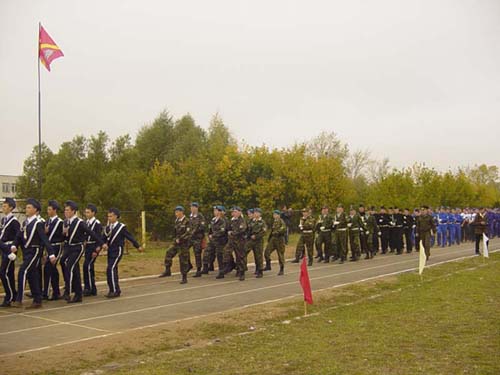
{"x":143,"y":225}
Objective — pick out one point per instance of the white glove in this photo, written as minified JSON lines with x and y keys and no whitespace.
{"x":367,"y":233}
{"x":379,"y":233}
{"x":322,"y":228}
{"x":336,"y":222}
{"x":52,"y":257}
{"x":349,"y":225}
{"x":301,"y":227}
{"x":13,"y":249}
{"x":12,"y":256}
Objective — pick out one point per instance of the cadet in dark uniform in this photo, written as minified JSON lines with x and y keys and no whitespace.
{"x":182,"y":238}
{"x":54,"y":231}
{"x":371,"y":232}
{"x":115,"y":235}
{"x":416,"y":214}
{"x":30,"y":239}
{"x":396,"y":239}
{"x":217,"y":239}
{"x":9,"y":231}
{"x":198,"y":227}
{"x":324,"y":235}
{"x":408,"y":225}
{"x":306,"y":240}
{"x":364,"y":233}
{"x":480,"y":225}
{"x":276,"y":242}
{"x":255,"y":243}
{"x":76,"y":232}
{"x":90,"y":248}
{"x":236,"y":244}
{"x":340,"y":226}
{"x":384,"y":224}
{"x":426,"y":227}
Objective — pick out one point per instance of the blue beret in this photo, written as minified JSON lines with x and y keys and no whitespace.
{"x":54,"y":204}
{"x":236,"y":208}
{"x":195,"y":204}
{"x":257,"y":210}
{"x":11,"y":202}
{"x":34,"y":203}
{"x":250,"y":210}
{"x":115,"y":211}
{"x":222,"y":208}
{"x":179,"y":208}
{"x":92,"y":207}
{"x":71,"y":204}
{"x":277,"y":212}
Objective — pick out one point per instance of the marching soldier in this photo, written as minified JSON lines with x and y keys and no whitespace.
{"x":426,"y":227}
{"x":416,"y":214}
{"x":30,"y":239}
{"x":384,"y":223}
{"x":255,"y":243}
{"x":324,"y":239}
{"x":354,"y":227}
{"x":480,"y":225}
{"x":115,"y":234}
{"x":75,"y":232}
{"x":276,"y":242}
{"x":90,"y":248}
{"x":9,"y":231}
{"x":198,"y":226}
{"x":217,"y":239}
{"x":236,"y":244}
{"x":306,"y":240}
{"x":396,"y":239}
{"x":371,"y":232}
{"x":340,"y":225}
{"x":54,"y":231}
{"x":364,"y":233}
{"x":182,"y":236}
{"x":408,"y":225}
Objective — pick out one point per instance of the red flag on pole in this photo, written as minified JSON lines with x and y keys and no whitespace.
{"x":305,"y":283}
{"x":48,"y":50}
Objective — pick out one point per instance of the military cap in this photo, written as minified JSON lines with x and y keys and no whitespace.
{"x":179,"y":208}
{"x":382,"y":207}
{"x":92,"y":207}
{"x":340,"y":205}
{"x":220,"y":208}
{"x":372,"y":208}
{"x":54,"y":204}
{"x":425,"y":207}
{"x":11,"y":202}
{"x":195,"y":204}
{"x":34,"y":203}
{"x":71,"y":205}
{"x":236,"y":208}
{"x":325,"y":206}
{"x":250,"y":211}
{"x":115,"y":211}
{"x":257,"y":210}
{"x":277,"y":212}
{"x":361,"y":205}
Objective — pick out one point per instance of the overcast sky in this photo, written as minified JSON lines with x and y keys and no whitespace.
{"x":416,"y":81}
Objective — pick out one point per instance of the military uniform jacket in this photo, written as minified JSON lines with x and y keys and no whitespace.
{"x":237,"y":228}
{"x":425,"y":223}
{"x":384,"y":220}
{"x":408,"y":221}
{"x":340,"y":221}
{"x":324,"y":223}
{"x":278,"y":228}
{"x":307,"y":225}
{"x":78,"y":233}
{"x":480,"y":223}
{"x":96,"y":227}
{"x":54,"y":226}
{"x":370,"y":225}
{"x":397,"y":220}
{"x":32,"y":235}
{"x":258,"y":229}
{"x":355,"y":222}
{"x":9,"y":230}
{"x":198,"y":226}
{"x":182,"y":230}
{"x":218,"y":229}
{"x":115,"y":237}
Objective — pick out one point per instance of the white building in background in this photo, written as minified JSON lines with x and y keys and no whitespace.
{"x":9,"y":186}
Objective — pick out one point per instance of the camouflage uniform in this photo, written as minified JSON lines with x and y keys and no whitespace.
{"x":340,"y":223}
{"x":182,"y":236}
{"x":236,"y":244}
{"x":257,"y":228}
{"x":198,"y":226}
{"x":306,"y":240}
{"x":276,"y":242}
{"x":324,"y":239}
{"x":354,"y":224}
{"x":218,"y":238}
{"x":371,"y":230}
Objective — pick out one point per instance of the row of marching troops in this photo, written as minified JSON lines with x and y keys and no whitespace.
{"x":54,"y":242}
{"x":230,"y":241}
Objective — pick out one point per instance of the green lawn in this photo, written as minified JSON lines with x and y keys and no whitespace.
{"x":446,"y":324}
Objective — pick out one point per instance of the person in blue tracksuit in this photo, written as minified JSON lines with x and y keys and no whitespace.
{"x":9,"y":230}
{"x":54,"y":232}
{"x":95,"y":226}
{"x":442,"y":227}
{"x":115,"y":235}
{"x":458,"y":226}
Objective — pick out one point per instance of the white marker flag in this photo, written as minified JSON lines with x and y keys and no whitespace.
{"x":422,"y":259}
{"x":485,"y":246}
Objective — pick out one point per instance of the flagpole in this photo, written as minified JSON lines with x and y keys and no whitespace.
{"x":39,"y":121}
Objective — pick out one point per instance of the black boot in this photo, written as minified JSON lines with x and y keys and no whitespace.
{"x":166,"y":273}
{"x":184,"y":279}
{"x":259,"y":275}
{"x":198,"y":272}
{"x":310,"y":262}
{"x":296,"y":260}
{"x":211,"y":267}
{"x":242,"y":275}
{"x":204,"y":271}
{"x":320,"y":258}
{"x":282,"y":271}
{"x":220,"y":275}
{"x":268,"y":265}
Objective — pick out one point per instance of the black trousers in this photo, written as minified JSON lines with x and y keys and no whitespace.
{"x":407,"y":234}
{"x":479,"y":238}
{"x":88,"y":269}
{"x":114,"y":257}
{"x":385,"y":238}
{"x":396,"y":240}
{"x":73,"y":279}
{"x":7,"y":270}
{"x":51,"y":274}
{"x":30,"y":271}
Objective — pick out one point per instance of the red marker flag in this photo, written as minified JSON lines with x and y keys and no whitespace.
{"x":48,"y":50}
{"x":305,"y":283}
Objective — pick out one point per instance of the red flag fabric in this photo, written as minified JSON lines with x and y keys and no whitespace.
{"x":48,"y":50}
{"x":305,"y":283}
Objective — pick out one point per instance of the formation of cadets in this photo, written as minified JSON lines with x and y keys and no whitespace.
{"x":227,"y":241}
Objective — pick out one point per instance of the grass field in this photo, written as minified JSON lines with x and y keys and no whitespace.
{"x":446,"y":323}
